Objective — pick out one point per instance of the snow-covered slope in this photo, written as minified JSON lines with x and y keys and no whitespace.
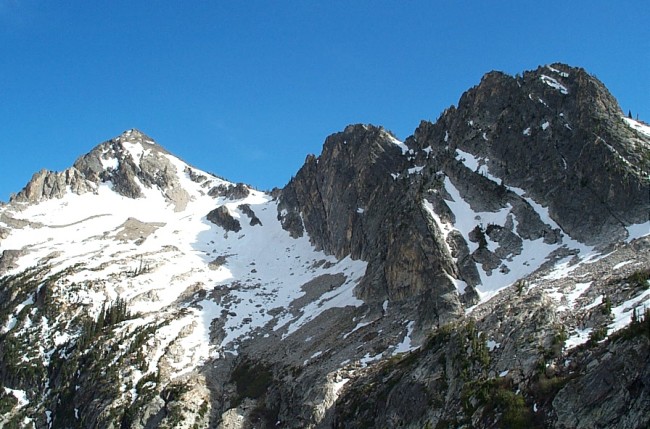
{"x":200,"y":289}
{"x":390,"y":283}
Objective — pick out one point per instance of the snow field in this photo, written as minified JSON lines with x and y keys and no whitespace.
{"x":264,"y":267}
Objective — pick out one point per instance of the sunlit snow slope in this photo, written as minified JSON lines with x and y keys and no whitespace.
{"x":174,"y":268}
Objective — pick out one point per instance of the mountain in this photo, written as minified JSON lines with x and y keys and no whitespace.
{"x":489,"y":271}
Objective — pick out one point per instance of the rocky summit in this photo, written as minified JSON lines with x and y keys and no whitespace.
{"x":490,"y":271}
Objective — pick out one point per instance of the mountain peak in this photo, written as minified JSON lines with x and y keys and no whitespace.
{"x":128,"y":162}
{"x":134,"y":135}
{"x":389,"y":281}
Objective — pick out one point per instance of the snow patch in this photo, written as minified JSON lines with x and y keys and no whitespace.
{"x":20,"y":395}
{"x":110,"y":164}
{"x":623,"y":313}
{"x":475,"y":164}
{"x":579,"y":289}
{"x":492,"y":345}
{"x":415,"y":169}
{"x":637,"y":231}
{"x":638,"y":126}
{"x":579,"y":337}
{"x":561,"y":73}
{"x":338,"y":385}
{"x":398,"y":143}
{"x":621,"y":265}
{"x":356,"y":328}
{"x":553,"y":83}
{"x":405,"y":345}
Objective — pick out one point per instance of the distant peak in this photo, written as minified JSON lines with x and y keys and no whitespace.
{"x":134,"y":136}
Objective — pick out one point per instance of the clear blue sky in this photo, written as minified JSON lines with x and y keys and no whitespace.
{"x":246,"y":89}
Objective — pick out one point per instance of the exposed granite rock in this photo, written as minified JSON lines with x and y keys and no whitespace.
{"x":613,"y":392}
{"x":232,"y":192}
{"x":48,"y":184}
{"x":246,"y":209}
{"x":135,"y":230}
{"x":349,"y":204}
{"x":560,"y":117}
{"x":503,"y":363}
{"x":506,"y":365}
{"x":113,"y":162}
{"x":222,"y":217}
{"x":7,"y":259}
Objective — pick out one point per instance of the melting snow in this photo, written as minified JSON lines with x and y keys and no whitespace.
{"x":415,"y":169}
{"x":561,"y":73}
{"x":20,"y":395}
{"x":622,"y":317}
{"x":580,"y":336}
{"x":90,"y":229}
{"x":638,"y":126}
{"x":638,"y":231}
{"x":623,"y":313}
{"x":401,"y":145}
{"x":356,"y":328}
{"x":470,"y":161}
{"x":553,"y":83}
{"x":337,"y":386}
{"x":491,"y":345}
{"x":579,"y":289}
{"x":110,"y":164}
{"x":533,"y":254}
{"x":405,"y":345}
{"x":621,"y":265}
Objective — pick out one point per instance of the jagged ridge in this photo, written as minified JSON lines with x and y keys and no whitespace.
{"x":342,"y":300}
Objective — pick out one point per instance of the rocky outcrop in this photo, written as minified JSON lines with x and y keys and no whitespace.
{"x":507,"y":364}
{"x":128,"y":162}
{"x":246,"y":209}
{"x":349,"y":202}
{"x":230,"y":191}
{"x":8,"y":258}
{"x":612,"y":391}
{"x":222,"y":217}
{"x":592,"y":180}
{"x":364,"y":195}
{"x":177,"y":323}
{"x":48,"y":184}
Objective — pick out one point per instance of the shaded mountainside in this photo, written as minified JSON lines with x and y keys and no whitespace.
{"x":489,"y":271}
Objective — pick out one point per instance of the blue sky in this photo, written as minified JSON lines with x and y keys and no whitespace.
{"x":247,"y":89}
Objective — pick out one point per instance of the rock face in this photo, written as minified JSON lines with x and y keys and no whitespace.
{"x":132,"y":162}
{"x":594,"y":178}
{"x":350,"y":204}
{"x":508,"y":366}
{"x":222,"y":217}
{"x":490,"y":271}
{"x":614,"y":392}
